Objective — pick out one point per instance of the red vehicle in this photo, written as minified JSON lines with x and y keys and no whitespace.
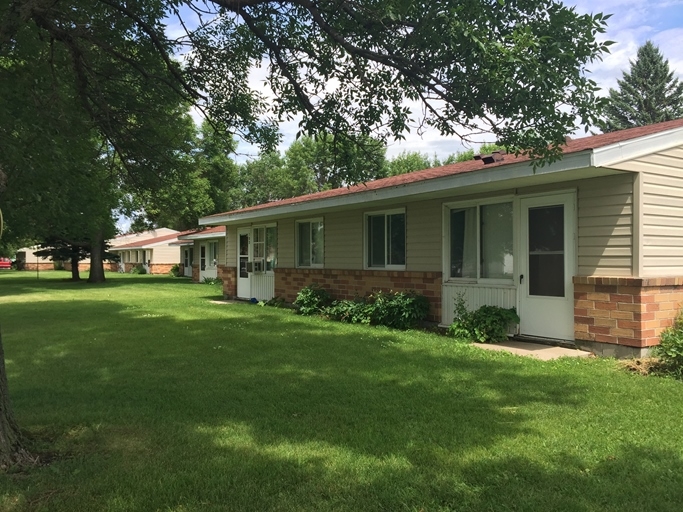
{"x":5,"y":263}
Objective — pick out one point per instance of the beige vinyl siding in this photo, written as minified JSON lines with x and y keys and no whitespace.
{"x":164,"y":254}
{"x":605,"y":226}
{"x":344,"y":240}
{"x":662,"y":214}
{"x":423,"y":236}
{"x":285,"y":243}
{"x":230,"y":246}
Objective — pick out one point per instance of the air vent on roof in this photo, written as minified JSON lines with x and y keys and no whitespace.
{"x":496,"y":156}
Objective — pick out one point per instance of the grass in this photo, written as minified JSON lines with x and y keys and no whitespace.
{"x":150,"y":397}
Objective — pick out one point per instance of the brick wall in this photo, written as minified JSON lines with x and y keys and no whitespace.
{"x":229,"y":277}
{"x":625,"y":311}
{"x":160,"y":268}
{"x":39,"y":266}
{"x":346,"y":284}
{"x":195,"y":273}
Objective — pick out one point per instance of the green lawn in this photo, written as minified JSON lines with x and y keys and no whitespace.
{"x":150,"y":398}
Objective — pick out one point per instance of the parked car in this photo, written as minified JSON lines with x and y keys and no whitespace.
{"x":5,"y":263}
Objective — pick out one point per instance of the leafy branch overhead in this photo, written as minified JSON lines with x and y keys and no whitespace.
{"x":516,"y":69}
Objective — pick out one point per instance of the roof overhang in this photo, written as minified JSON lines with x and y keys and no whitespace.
{"x":201,"y":236}
{"x":573,"y":166}
{"x":635,"y":148}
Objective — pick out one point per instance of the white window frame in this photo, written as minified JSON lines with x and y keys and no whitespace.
{"x":259,"y":264}
{"x":386,"y":213}
{"x":213,"y":253}
{"x":310,"y":245}
{"x":461,"y":205}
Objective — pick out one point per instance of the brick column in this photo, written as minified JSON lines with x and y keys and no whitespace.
{"x":624,"y":316}
{"x":229,"y":277}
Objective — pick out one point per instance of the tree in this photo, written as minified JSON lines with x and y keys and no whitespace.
{"x":647,"y":94}
{"x":324,"y":161}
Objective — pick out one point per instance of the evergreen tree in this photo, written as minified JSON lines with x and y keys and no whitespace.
{"x":648,"y":94}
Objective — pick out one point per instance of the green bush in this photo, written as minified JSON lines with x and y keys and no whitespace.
{"x":670,"y":348}
{"x":138,"y":269}
{"x":175,"y":271}
{"x":352,"y":311}
{"x":312,"y":300}
{"x":400,"y":310}
{"x":488,"y":324}
{"x":212,"y":280}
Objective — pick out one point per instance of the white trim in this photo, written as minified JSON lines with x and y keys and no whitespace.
{"x":202,"y":236}
{"x":297,"y":264}
{"x":385,"y":213}
{"x":637,"y":265}
{"x":635,"y":148}
{"x":501,"y":173}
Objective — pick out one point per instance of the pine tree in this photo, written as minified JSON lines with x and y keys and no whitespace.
{"x":648,"y":94}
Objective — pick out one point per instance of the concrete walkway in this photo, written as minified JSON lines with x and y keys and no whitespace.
{"x":525,"y":348}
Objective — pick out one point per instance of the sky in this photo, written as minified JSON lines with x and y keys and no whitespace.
{"x":633,"y":22}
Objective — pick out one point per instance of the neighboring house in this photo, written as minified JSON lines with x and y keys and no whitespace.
{"x":589,"y":249}
{"x":156,"y":255}
{"x":204,"y":254}
{"x":33,"y":262}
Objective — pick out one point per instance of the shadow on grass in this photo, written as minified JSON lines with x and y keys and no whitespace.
{"x":271,"y":411}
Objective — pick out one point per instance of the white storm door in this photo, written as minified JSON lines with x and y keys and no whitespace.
{"x":243,"y":274}
{"x":187,"y":262}
{"x":202,"y":261}
{"x":548,"y":263}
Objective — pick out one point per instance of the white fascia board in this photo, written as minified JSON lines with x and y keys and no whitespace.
{"x":466,"y":179}
{"x":202,"y":237}
{"x":636,"y":148}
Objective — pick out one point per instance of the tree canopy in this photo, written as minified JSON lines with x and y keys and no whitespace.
{"x":349,"y":68}
{"x":647,"y":94}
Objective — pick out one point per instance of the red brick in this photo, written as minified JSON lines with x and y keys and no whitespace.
{"x":621,"y":297}
{"x":606,"y":305}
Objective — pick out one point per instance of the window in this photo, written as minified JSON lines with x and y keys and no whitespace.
{"x":481,"y":242}
{"x":386,"y":240}
{"x":310,"y":243}
{"x":213,"y":254}
{"x":264,"y":248}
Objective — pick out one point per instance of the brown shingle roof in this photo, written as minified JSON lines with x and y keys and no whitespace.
{"x":571,"y":146}
{"x":149,"y":241}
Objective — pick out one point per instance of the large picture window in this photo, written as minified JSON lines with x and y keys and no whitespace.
{"x":310,"y":243}
{"x":481,"y":242}
{"x":386,"y":240}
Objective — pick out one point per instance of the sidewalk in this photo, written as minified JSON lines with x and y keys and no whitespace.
{"x":525,"y":348}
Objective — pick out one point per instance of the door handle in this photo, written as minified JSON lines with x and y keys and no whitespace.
{"x":521,"y":278}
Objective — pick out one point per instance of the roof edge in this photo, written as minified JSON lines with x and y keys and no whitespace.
{"x":500,"y":173}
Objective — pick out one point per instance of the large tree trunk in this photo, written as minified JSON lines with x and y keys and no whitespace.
{"x":96,"y":261}
{"x":75,"y":273}
{"x":12,"y":450}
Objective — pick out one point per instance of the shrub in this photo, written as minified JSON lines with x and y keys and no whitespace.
{"x":212,"y":280}
{"x":275,"y":302}
{"x":353,"y":311}
{"x":138,"y":269}
{"x":400,"y":310}
{"x":488,"y":324}
{"x":312,"y":300}
{"x":175,"y":271}
{"x":670,"y":348}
